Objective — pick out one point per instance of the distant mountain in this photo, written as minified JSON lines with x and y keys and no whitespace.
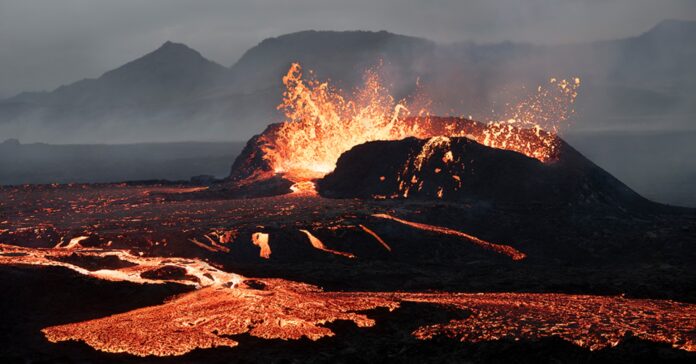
{"x":174,"y":93}
{"x":340,"y":56}
{"x":159,"y":86}
{"x":167,"y":74}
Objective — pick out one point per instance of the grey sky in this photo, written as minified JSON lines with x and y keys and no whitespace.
{"x":45,"y":43}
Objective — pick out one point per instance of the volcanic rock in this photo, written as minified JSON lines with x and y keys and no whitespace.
{"x":462,"y":170}
{"x":252,"y":175}
{"x":169,"y":272}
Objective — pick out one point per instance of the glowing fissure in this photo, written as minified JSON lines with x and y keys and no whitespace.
{"x":498,"y":248}
{"x":321,"y":124}
{"x":377,"y":237}
{"x":317,"y":244}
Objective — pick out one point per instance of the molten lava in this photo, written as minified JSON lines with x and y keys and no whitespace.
{"x":223,"y":306}
{"x":498,"y":248}
{"x":321,"y":124}
{"x":229,"y":304}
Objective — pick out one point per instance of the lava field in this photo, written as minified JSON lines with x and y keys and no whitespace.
{"x":353,"y":233}
{"x":229,"y":270}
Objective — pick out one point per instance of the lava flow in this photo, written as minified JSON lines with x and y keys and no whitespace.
{"x":229,"y":304}
{"x":321,"y":124}
{"x":498,"y":248}
{"x":222,"y":305}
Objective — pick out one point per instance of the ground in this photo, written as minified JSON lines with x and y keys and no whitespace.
{"x":389,"y":287}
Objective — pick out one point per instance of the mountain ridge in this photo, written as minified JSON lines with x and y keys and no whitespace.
{"x":175,"y":93}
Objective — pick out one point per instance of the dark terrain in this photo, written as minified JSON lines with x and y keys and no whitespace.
{"x":39,"y":163}
{"x":412,"y":250}
{"x":514,"y":224}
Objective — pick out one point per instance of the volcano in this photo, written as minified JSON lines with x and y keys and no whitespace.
{"x":440,"y":167}
{"x":380,"y":227}
{"x":461,"y":170}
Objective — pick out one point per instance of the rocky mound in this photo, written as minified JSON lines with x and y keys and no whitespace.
{"x":253,"y":175}
{"x":462,"y":170}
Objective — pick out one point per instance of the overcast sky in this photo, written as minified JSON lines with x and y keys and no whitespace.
{"x":46,"y":43}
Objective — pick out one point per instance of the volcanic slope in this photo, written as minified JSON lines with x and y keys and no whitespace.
{"x":461,"y":170}
{"x":451,"y":163}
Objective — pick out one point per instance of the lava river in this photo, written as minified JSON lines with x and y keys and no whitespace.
{"x":226,"y":304}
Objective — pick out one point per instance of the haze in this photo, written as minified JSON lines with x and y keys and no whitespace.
{"x":49,"y":43}
{"x":107,"y":73}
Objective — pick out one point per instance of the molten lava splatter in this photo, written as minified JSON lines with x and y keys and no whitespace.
{"x":409,"y":177}
{"x":321,"y":124}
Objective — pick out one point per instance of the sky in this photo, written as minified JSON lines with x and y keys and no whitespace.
{"x":46,"y":43}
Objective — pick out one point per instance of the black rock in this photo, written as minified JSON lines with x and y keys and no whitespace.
{"x":462,"y":170}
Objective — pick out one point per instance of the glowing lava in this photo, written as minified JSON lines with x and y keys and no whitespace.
{"x":498,"y":248}
{"x":261,"y":240}
{"x":228,"y":304}
{"x":198,"y":273}
{"x":207,"y":317}
{"x":321,"y":124}
{"x":317,"y":244}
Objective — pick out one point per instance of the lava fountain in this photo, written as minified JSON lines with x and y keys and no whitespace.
{"x":321,"y":123}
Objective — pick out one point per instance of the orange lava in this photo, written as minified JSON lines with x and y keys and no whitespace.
{"x":317,"y":244}
{"x":202,"y":319}
{"x":289,"y":310}
{"x":304,"y":188}
{"x":593,"y":322}
{"x":202,"y":274}
{"x":377,"y":237}
{"x":261,"y":240}
{"x":321,"y":123}
{"x":498,"y":248}
{"x":228,"y":304}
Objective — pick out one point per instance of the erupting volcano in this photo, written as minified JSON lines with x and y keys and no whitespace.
{"x":382,"y":226}
{"x":322,"y":124}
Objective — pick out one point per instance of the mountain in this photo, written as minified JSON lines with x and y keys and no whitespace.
{"x":339,"y":56}
{"x":169,"y":73}
{"x":148,"y":92}
{"x":174,"y":93}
